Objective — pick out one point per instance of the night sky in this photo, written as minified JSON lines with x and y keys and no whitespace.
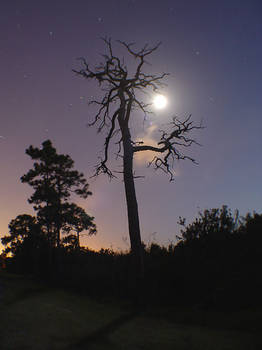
{"x":213,"y":52}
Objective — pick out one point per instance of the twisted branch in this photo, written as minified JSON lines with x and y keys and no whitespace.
{"x":120,"y":91}
{"x":171,"y":142}
{"x":119,"y":101}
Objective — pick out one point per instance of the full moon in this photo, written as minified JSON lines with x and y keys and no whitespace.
{"x":160,"y":101}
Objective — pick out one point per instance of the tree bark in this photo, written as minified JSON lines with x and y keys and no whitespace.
{"x":133,"y":217}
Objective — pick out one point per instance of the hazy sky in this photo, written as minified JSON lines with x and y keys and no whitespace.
{"x":213,"y":52}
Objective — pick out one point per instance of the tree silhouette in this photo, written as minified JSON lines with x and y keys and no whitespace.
{"x":26,"y":242}
{"x":54,"y":181}
{"x":76,"y":221}
{"x":20,"y":229}
{"x":122,"y":90}
{"x":212,"y":223}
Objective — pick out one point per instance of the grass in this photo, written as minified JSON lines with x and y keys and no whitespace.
{"x":36,"y":317}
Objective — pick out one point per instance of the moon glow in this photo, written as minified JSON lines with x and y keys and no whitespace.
{"x":160,"y":101}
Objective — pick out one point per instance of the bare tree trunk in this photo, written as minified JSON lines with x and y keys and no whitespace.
{"x":58,"y":233}
{"x":49,"y":240}
{"x":133,"y":217}
{"x":59,"y":262}
{"x":78,"y":240}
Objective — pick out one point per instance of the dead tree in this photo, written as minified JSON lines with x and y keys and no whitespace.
{"x":114,"y":112}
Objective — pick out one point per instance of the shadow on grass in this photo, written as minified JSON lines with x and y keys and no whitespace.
{"x":16,"y":288}
{"x":24,"y":294}
{"x":101,"y":334}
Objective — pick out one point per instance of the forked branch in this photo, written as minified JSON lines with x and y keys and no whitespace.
{"x":120,"y":91}
{"x":170,"y":145}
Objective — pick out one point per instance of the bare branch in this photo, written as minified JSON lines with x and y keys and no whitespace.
{"x":120,"y":95}
{"x":170,"y":145}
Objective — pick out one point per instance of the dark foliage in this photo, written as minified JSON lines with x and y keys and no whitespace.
{"x":35,"y":242}
{"x":216,"y":265}
{"x":54,"y":180}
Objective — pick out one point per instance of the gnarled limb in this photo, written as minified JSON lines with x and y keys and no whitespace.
{"x":120,"y":92}
{"x":170,"y":144}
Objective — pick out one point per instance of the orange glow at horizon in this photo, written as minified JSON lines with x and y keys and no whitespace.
{"x":95,"y":242}
{"x":108,"y":235}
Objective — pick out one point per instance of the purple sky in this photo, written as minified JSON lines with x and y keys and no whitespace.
{"x":213,"y":52}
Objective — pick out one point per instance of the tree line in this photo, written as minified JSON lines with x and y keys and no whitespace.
{"x":216,"y":261}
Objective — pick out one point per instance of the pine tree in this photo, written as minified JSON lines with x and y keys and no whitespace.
{"x":54,"y":180}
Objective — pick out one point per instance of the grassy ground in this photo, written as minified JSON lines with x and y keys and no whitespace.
{"x":36,"y":317}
